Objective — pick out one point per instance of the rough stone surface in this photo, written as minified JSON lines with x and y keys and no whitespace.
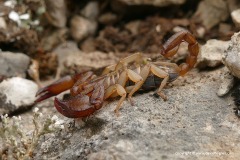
{"x":159,"y":3}
{"x":194,"y":123}
{"x":82,"y":28}
{"x":236,"y":17}
{"x":211,"y":53}
{"x":71,"y":59}
{"x":227,"y":83}
{"x":211,"y":12}
{"x":231,"y":56}
{"x":16,"y":94}
{"x":13,"y":64}
{"x":89,"y":61}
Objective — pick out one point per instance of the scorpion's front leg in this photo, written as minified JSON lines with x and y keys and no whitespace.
{"x":81,"y":105}
{"x":61,"y":85}
{"x":171,"y":47}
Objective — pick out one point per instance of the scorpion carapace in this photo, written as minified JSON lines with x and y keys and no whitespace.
{"x":129,"y":75}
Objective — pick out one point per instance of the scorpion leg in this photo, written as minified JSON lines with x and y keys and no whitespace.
{"x":120,"y":91}
{"x":135,"y":77}
{"x":144,"y":74}
{"x":109,"y":69}
{"x":137,"y":57}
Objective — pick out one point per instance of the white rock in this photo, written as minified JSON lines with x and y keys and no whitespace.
{"x":231,"y":57}
{"x":16,"y":93}
{"x":211,"y":53}
{"x":236,"y":17}
{"x":15,"y":17}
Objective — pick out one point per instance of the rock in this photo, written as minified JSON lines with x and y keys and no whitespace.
{"x":82,"y":28}
{"x":231,"y":56}
{"x":193,"y":120}
{"x":211,"y":53}
{"x":91,"y":10}
{"x":158,"y":3}
{"x":236,"y":17}
{"x":13,"y":64}
{"x":211,"y":12}
{"x":108,"y":18}
{"x":71,"y":59}
{"x":56,"y":13}
{"x":54,"y":38}
{"x":3,"y":24}
{"x":225,"y":29}
{"x":63,"y":51}
{"x":89,"y":61}
{"x":16,"y":94}
{"x":227,"y":82}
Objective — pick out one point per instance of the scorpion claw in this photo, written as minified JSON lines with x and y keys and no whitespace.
{"x":43,"y":97}
{"x":75,"y":107}
{"x":57,"y":87}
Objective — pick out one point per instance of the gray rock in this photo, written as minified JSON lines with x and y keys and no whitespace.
{"x":211,"y":53}
{"x":227,"y":82}
{"x":81,"y":28}
{"x":231,"y":56}
{"x":193,"y":121}
{"x":16,"y":94}
{"x":13,"y":64}
{"x":211,"y":12}
{"x":159,"y":3}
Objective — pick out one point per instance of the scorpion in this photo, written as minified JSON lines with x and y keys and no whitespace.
{"x":130,"y":74}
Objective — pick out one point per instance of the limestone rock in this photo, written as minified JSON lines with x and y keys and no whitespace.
{"x":211,"y":53}
{"x":231,"y":57}
{"x":16,"y":94}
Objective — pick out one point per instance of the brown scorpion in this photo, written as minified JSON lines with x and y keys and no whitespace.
{"x":129,"y":75}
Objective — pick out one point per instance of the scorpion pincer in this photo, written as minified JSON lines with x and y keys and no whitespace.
{"x":130,"y":74}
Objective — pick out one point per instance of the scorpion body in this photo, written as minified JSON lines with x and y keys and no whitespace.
{"x":129,"y":75}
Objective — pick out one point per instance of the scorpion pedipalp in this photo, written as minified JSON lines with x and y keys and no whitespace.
{"x":81,"y":105}
{"x":61,"y":85}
